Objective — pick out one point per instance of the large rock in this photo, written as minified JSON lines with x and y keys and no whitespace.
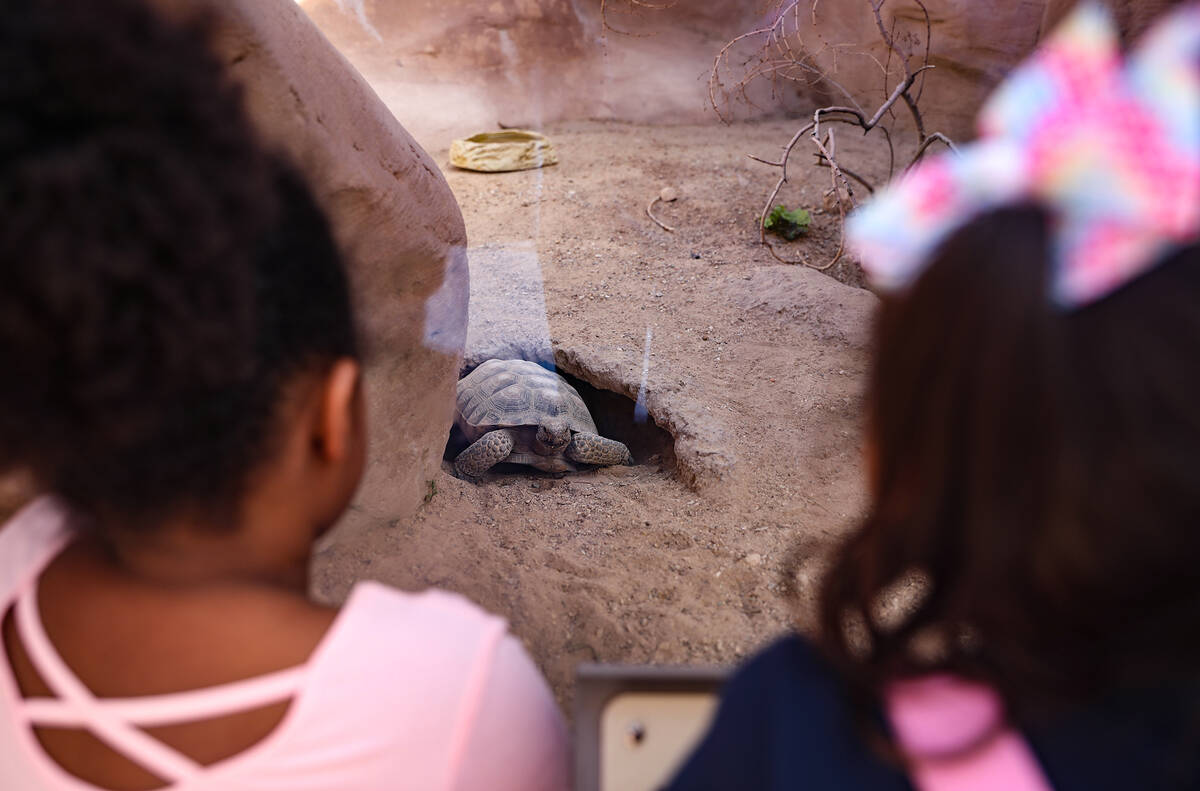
{"x":393,"y":214}
{"x":508,"y":307}
{"x":451,"y":68}
{"x":533,"y":61}
{"x":973,"y":46}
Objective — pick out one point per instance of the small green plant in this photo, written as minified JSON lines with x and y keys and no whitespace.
{"x":433,"y":490}
{"x":788,"y":224}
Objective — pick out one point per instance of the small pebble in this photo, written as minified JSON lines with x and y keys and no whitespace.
{"x":754,"y":559}
{"x":668,"y":194}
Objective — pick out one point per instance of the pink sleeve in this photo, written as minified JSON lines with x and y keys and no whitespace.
{"x":518,"y":740}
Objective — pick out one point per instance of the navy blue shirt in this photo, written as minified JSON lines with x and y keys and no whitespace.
{"x":785,"y":722}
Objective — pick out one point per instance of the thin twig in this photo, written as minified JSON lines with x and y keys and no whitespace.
{"x":901,"y":91}
{"x":928,"y":39}
{"x":887,"y":68}
{"x":887,"y":135}
{"x":657,"y":221}
{"x":828,"y":148}
{"x":776,"y":38}
{"x":913,"y":109}
{"x":909,"y":75}
{"x":822,"y":162}
{"x":714,"y":79}
{"x":607,"y":27}
{"x":782,"y":164}
{"x":936,"y":137}
{"x":765,"y":161}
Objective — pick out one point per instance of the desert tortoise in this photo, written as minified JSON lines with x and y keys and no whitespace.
{"x":519,"y":412}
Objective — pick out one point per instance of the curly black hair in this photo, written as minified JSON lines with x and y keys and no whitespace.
{"x":163,"y":274}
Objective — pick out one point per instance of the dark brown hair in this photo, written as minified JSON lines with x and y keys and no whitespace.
{"x":1036,"y":470}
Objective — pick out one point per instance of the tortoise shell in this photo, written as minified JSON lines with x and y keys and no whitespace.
{"x":513,"y":393}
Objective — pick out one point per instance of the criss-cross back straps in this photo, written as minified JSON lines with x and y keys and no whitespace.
{"x":177,"y":707}
{"x":116,"y":722}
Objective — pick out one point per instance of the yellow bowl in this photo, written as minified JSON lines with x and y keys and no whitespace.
{"x":497,"y":152}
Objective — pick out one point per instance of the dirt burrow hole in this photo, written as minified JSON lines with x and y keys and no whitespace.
{"x":616,"y":416}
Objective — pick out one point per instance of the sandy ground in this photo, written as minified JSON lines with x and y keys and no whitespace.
{"x":754,"y":367}
{"x":750,"y":372}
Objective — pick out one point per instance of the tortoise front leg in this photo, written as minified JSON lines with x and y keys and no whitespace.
{"x":594,"y":449}
{"x":484,"y":453}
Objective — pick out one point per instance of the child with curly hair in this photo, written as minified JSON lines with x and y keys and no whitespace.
{"x":181,"y":372}
{"x":1034,"y":436}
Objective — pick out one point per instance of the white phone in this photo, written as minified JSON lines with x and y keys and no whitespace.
{"x":635,"y":725}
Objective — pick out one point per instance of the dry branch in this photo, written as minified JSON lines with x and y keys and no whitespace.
{"x":936,"y":137}
{"x":650,"y":214}
{"x":633,"y":4}
{"x":782,"y":55}
{"x":822,"y":162}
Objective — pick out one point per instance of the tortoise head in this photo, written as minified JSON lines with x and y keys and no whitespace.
{"x":553,"y":436}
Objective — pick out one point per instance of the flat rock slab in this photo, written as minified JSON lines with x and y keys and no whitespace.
{"x":801,"y":297}
{"x":507,"y":313}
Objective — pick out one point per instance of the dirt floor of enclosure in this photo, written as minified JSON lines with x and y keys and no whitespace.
{"x":754,"y":366}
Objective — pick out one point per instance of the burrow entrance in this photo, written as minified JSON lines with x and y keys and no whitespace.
{"x":616,"y":417}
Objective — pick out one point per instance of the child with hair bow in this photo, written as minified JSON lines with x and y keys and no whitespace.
{"x":1033,"y":420}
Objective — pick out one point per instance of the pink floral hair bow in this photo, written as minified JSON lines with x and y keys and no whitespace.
{"x":1110,"y":148}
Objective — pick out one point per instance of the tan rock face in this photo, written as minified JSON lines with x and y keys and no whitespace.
{"x":452,"y":69}
{"x":973,"y":46}
{"x":529,"y":62}
{"x":394,"y":216}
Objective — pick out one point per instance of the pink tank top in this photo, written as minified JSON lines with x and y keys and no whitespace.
{"x":954,"y":735}
{"x":405,"y":691}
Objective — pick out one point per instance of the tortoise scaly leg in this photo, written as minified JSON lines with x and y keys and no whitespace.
{"x":594,"y":449}
{"x":485,"y":452}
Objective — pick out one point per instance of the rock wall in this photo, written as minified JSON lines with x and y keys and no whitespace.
{"x":974,"y":45}
{"x":450,"y":69}
{"x":526,"y":62}
{"x":447,"y":69}
{"x":393,"y":214}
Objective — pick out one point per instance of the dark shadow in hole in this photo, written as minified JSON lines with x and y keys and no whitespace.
{"x":615,"y":418}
